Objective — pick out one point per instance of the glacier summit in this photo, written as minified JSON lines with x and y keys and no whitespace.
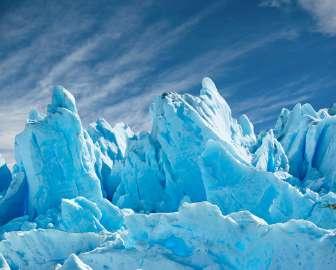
{"x":200,"y":190}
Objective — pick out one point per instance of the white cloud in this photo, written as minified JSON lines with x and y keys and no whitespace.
{"x":274,"y":3}
{"x":116,"y":86}
{"x":135,"y":110}
{"x":49,"y":58}
{"x":323,"y":11}
{"x":265,"y":107}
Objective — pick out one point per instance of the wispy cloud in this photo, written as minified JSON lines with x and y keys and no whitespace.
{"x":274,"y":3}
{"x":323,"y":11}
{"x":46,"y":45}
{"x":95,"y":59}
{"x":265,"y":108}
{"x":114,"y":59}
{"x":182,"y":77}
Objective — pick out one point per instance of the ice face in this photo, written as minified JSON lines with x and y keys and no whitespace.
{"x":309,"y":140}
{"x":234,"y":186}
{"x":56,"y":156}
{"x":14,"y":194}
{"x":62,"y":98}
{"x":5,"y":175}
{"x":198,"y":191}
{"x":166,"y":159}
{"x":110,"y":145}
{"x":142,"y":181}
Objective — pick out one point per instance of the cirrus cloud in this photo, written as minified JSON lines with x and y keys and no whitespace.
{"x":323,"y":11}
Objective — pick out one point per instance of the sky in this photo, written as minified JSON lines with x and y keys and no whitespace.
{"x":116,"y":56}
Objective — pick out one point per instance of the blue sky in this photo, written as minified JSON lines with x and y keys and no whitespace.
{"x":115,"y":56}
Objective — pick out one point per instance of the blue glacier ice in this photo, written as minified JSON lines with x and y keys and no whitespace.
{"x":56,"y":156}
{"x":178,"y":240}
{"x":309,"y":139}
{"x":13,"y":197}
{"x":234,"y":186}
{"x":167,"y":158}
{"x":200,"y":190}
{"x":110,"y":148}
{"x":5,"y":175}
{"x":270,"y":155}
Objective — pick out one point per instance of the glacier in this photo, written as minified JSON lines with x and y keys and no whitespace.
{"x":199,"y":190}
